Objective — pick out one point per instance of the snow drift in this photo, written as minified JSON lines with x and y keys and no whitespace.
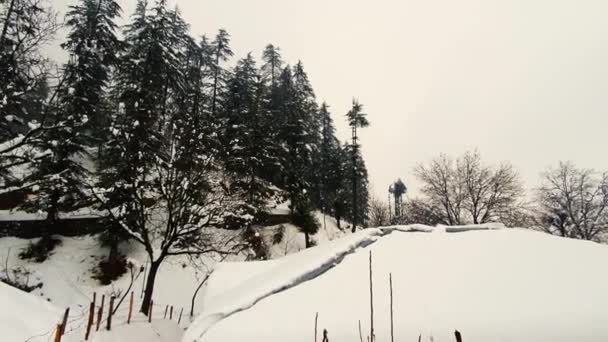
{"x":234,"y":287}
{"x":491,"y":284}
{"x":24,"y":316}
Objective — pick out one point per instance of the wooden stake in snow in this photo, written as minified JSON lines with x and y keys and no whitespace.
{"x":360,"y":335}
{"x":180,"y":315}
{"x":371,"y":300}
{"x":166,"y":309}
{"x":100,"y":312}
{"x":90,"y":321}
{"x":64,"y":323}
{"x":130,"y":308}
{"x":58,"y":333}
{"x":458,"y":336}
{"x":111,"y":309}
{"x":94,"y":299}
{"x":316,"y":319}
{"x":419,"y":337}
{"x":390,"y":282}
{"x":150,"y":312}
{"x":171,"y":313}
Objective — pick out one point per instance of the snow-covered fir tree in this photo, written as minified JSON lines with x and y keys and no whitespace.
{"x":356,"y":119}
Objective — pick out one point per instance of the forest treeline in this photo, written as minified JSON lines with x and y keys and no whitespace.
{"x":167,"y":135}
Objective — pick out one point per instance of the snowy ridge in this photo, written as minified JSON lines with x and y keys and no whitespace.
{"x":234,"y":287}
{"x":279,"y":275}
{"x":491,"y":284}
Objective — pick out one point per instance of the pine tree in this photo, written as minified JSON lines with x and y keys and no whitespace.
{"x":249,"y":146}
{"x":297,"y":130}
{"x":356,"y":204}
{"x":272,"y":68}
{"x":221,"y":53}
{"x":93,"y":48}
{"x":356,"y":119}
{"x":273,"y":64}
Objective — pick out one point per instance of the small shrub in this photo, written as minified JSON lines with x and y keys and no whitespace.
{"x":20,"y":279}
{"x":277,"y":237}
{"x":40,"y":250}
{"x":108,"y":271}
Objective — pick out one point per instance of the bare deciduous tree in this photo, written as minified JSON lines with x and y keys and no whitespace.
{"x":573,"y":202}
{"x":465,"y":190}
{"x":378,"y":213}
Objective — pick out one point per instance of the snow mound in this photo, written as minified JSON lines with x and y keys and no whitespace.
{"x":26,"y":317}
{"x":491,"y":284}
{"x":234,"y":287}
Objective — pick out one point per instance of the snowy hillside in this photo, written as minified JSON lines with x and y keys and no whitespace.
{"x":24,"y":316}
{"x":66,"y":277}
{"x":492,"y":285}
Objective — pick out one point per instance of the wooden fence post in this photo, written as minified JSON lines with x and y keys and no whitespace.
{"x":150,"y":312}
{"x":130,"y":308}
{"x":390,"y":282}
{"x":180,"y":315}
{"x":100,"y":312}
{"x":371,"y":301}
{"x":111,"y":308}
{"x":58,"y":333}
{"x":64,"y":323}
{"x":171,"y":313}
{"x":94,"y":299}
{"x":458,"y":336}
{"x":166,"y":309}
{"x":316,"y":320}
{"x":90,"y":321}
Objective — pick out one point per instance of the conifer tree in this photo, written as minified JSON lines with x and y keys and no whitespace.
{"x":273,"y":64}
{"x":356,"y":119}
{"x":249,"y":146}
{"x":93,"y":48}
{"x":221,"y":53}
{"x":272,"y":68}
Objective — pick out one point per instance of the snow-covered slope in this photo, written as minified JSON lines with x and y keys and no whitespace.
{"x":24,"y":316}
{"x":492,"y":285}
{"x":229,"y":294}
{"x":66,"y":276}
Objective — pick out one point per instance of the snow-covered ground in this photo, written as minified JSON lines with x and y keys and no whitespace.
{"x":492,"y":285}
{"x":67,"y":276}
{"x":24,"y":316}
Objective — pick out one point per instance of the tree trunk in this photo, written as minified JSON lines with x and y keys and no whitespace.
{"x":113,"y":254}
{"x":51,"y":217}
{"x":145,"y":305}
{"x":7,"y":22}
{"x":338,"y":218}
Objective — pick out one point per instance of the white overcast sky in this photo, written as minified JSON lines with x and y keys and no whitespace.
{"x":524,"y":81}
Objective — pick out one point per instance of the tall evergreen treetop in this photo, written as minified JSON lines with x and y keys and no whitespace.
{"x":273,"y":64}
